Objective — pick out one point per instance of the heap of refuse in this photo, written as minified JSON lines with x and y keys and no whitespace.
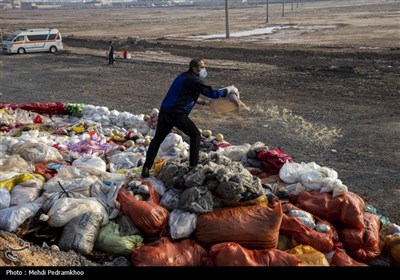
{"x":75,"y":168}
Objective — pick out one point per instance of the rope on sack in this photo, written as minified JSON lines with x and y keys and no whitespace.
{"x":64,"y":191}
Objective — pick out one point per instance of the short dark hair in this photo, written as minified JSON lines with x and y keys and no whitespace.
{"x":195,"y":62}
{"x":110,"y":42}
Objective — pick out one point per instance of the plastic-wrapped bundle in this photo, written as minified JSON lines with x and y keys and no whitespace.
{"x":171,"y":198}
{"x":111,"y":240}
{"x":198,"y":200}
{"x":26,"y":192}
{"x":5,"y":198}
{"x":181,"y":223}
{"x":11,"y":218}
{"x":81,"y":233}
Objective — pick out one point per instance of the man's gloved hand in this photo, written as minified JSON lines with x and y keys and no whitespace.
{"x":232,"y":89}
{"x":233,"y":94}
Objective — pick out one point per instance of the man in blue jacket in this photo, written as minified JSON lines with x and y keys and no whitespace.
{"x":181,"y":97}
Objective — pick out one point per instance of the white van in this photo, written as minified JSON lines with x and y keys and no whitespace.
{"x":33,"y":40}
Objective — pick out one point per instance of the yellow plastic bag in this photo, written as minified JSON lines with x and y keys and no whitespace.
{"x":392,"y":247}
{"x":159,"y":164}
{"x":9,"y":184}
{"x":309,"y":256}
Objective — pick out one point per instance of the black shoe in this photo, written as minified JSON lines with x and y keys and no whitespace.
{"x":145,"y":172}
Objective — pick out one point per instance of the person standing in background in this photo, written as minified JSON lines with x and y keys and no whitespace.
{"x":110,"y":53}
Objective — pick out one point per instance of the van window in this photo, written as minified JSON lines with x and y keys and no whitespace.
{"x":52,"y":36}
{"x":37,"y":37}
{"x":19,"y":39}
{"x":10,"y":37}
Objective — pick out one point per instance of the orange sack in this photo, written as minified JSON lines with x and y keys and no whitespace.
{"x":340,"y":258}
{"x":232,"y":254}
{"x":165,"y":252}
{"x":346,"y":209}
{"x":250,"y":226}
{"x":293,"y":228}
{"x":149,"y":217}
{"x":362,"y":244}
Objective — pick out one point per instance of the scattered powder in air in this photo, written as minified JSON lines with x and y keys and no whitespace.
{"x":296,"y":124}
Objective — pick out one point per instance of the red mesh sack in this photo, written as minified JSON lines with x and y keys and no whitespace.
{"x":165,"y":252}
{"x":149,"y":217}
{"x":340,"y":258}
{"x":292,"y":227}
{"x":346,"y":209}
{"x":362,"y":244}
{"x":250,"y":226}
{"x":232,"y":254}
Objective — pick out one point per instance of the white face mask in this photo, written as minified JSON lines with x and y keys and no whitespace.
{"x":203,"y":74}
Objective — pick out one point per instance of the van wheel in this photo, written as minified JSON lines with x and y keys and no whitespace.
{"x":21,"y":51}
{"x":53,"y":49}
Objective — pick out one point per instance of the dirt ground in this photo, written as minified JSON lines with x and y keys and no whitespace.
{"x":324,"y":87}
